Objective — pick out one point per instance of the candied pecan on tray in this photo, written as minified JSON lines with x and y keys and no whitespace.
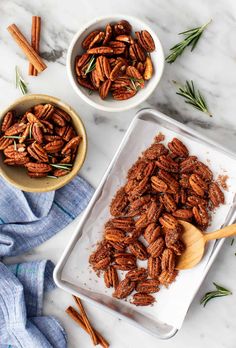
{"x":163,"y":186}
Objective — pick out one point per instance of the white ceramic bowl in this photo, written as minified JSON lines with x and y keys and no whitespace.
{"x":110,"y":104}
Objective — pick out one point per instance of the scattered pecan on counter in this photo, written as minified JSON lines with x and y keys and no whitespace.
{"x":143,"y":237}
{"x":115,"y":61}
{"x":43,"y":140}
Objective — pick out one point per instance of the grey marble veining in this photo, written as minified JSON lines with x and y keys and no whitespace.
{"x":212,"y":66}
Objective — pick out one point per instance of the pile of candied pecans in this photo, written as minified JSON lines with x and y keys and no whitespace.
{"x":163,"y":185}
{"x":113,"y":60}
{"x":43,"y":140}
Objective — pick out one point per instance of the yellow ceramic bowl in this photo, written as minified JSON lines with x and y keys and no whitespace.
{"x":17,"y":176}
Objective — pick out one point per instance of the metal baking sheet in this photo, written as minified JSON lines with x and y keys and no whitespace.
{"x":139,"y":318}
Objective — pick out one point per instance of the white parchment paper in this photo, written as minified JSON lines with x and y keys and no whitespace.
{"x":172,"y":303}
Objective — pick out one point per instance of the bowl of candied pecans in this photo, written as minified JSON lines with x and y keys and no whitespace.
{"x":115,"y":62}
{"x":42,"y":143}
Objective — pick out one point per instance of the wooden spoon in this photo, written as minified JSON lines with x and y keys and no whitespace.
{"x":195,"y":241}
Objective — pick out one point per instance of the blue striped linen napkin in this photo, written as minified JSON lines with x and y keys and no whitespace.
{"x":21,"y":301}
{"x":26,"y":221}
{"x":29,"y":219}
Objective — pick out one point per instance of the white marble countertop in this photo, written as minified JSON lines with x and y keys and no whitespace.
{"x":213,"y":68}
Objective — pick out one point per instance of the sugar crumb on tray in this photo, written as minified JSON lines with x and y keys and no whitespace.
{"x":222,"y":181}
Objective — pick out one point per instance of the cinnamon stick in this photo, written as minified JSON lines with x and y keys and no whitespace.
{"x":30,"y":53}
{"x":86,"y":320}
{"x":79,"y":320}
{"x":35,"y":39}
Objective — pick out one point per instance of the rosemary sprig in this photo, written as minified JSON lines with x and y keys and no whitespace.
{"x":136,"y":83}
{"x":12,"y":136}
{"x":20,"y":83}
{"x":30,"y":131}
{"x":91,"y":65}
{"x":52,"y":176}
{"x":232,"y":241}
{"x":60,"y":166}
{"x":191,"y":39}
{"x":15,"y":147}
{"x":193,"y":97}
{"x":219,"y":292}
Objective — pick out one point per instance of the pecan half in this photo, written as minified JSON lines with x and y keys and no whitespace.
{"x":5,"y":142}
{"x":168,"y":164}
{"x":172,"y":235}
{"x":142,"y":299}
{"x":133,"y":72}
{"x":123,"y":223}
{"x":173,"y":185}
{"x":158,"y":184}
{"x":111,"y":278}
{"x":54,"y":146}
{"x":81,"y":62}
{"x":17,"y":161}
{"x":108,"y":34}
{"x":136,"y":52}
{"x":155,"y":151}
{"x":122,"y":27}
{"x":89,"y":38}
{"x":152,"y":232}
{"x":37,"y":152}
{"x":198,"y":185}
{"x":38,"y":167}
{"x":138,"y":250}
{"x":156,"y":248}
{"x":169,"y":202}
{"x":216,"y":195}
{"x":201,"y":215}
{"x":148,"y":286}
{"x":203,"y":171}
{"x":46,"y":111}
{"x":125,"y":261}
{"x":178,"y":148}
{"x":188,"y":165}
{"x":103,"y":68}
{"x":168,"y":260}
{"x":116,"y":71}
{"x":60,"y":172}
{"x":148,"y":72}
{"x":100,"y":50}
{"x":154,"y":267}
{"x":124,"y":288}
{"x":119,"y":203}
{"x":178,"y":247}
{"x":15,"y":151}
{"x":103,"y":251}
{"x":145,"y":40}
{"x":114,"y":235}
{"x":85,"y":83}
{"x":15,"y":129}
{"x":125,"y":38}
{"x":7,"y":121}
{"x":97,"y":39}
{"x":137,"y":274}
{"x":183,"y":214}
{"x":37,"y":132}
{"x":168,"y":221}
{"x":166,"y":278}
{"x":71,"y":145}
{"x":123,"y":94}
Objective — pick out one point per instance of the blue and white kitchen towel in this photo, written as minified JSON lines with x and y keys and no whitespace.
{"x":27,"y":220}
{"x":21,"y":301}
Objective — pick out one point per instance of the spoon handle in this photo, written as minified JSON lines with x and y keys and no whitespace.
{"x":224,"y":232}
